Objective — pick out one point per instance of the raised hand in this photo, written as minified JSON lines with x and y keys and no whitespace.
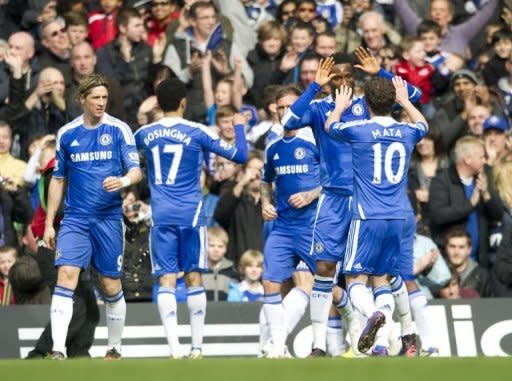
{"x":402,"y":95}
{"x":220,"y":62}
{"x":289,"y":61}
{"x":239,"y":118}
{"x":323,"y":74}
{"x":343,"y":98}
{"x":368,"y":62}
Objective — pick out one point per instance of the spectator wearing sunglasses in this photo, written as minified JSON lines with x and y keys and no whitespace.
{"x":57,"y":48}
{"x":163,"y":12}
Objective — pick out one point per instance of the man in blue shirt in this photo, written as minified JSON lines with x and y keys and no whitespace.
{"x":174,"y":150}
{"x":332,"y":219}
{"x":292,"y":163}
{"x":381,"y":151}
{"x":93,"y":153}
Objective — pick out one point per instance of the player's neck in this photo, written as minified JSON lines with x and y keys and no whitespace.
{"x":173,"y":114}
{"x":91,"y":121}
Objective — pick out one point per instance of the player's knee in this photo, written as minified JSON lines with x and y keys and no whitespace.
{"x":271,"y":287}
{"x":110,"y":286}
{"x":193,"y":279}
{"x":327,"y":269}
{"x":68,"y":276}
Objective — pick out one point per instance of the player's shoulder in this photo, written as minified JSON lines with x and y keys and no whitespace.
{"x":120,"y":125}
{"x":75,"y":123}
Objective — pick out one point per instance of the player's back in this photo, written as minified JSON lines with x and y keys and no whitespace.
{"x":173,"y":148}
{"x":381,"y":151}
{"x":293,"y":163}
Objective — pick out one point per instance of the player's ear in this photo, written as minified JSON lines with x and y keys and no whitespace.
{"x":183,"y":104}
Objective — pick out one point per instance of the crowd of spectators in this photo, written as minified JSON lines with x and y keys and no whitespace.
{"x":234,"y":56}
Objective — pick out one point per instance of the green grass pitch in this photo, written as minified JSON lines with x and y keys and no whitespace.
{"x":242,"y":369}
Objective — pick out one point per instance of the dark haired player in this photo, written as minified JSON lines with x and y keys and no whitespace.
{"x":174,"y":148}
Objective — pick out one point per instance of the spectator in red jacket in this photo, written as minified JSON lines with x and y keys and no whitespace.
{"x":163,"y":12}
{"x":414,"y":68}
{"x":102,"y":23}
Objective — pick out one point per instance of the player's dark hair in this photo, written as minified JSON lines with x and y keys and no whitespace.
{"x":380,"y":95}
{"x":427,"y":26}
{"x":169,"y":93}
{"x":342,"y":58}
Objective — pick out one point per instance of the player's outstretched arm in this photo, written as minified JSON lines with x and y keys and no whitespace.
{"x":402,"y":98}
{"x":299,"y":115}
{"x":55,"y":194}
{"x":370,"y":65}
{"x":239,"y":121}
{"x":114,"y":184}
{"x":343,"y":100}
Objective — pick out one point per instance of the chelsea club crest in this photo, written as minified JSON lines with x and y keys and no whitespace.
{"x":299,"y":153}
{"x":105,"y":139}
{"x":357,"y":109}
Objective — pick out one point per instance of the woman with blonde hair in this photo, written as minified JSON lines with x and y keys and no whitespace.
{"x":503,"y":182}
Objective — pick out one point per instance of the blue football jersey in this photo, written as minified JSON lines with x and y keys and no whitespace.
{"x":86,"y":157}
{"x":336,"y":172}
{"x":293,"y":163}
{"x":381,"y":151}
{"x":174,"y":150}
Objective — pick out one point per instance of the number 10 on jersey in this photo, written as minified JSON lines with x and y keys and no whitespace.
{"x":392,"y":177}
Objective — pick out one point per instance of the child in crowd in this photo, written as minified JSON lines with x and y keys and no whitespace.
{"x":495,"y":68}
{"x":229,"y":91}
{"x":429,"y":32}
{"x":220,"y":273}
{"x":7,"y":259}
{"x":250,"y":288}
{"x":76,"y":28}
{"x":102,"y":23}
{"x":416,"y":70}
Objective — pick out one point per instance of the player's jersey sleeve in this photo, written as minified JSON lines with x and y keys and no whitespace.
{"x":60,"y":170}
{"x":128,"y":149}
{"x":299,"y":114}
{"x":342,"y":131}
{"x":414,"y":93}
{"x":420,"y":129}
{"x":211,"y":142}
{"x":269,"y":173}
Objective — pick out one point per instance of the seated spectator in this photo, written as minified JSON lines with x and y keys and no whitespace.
{"x":453,"y":290}
{"x":239,"y":210}
{"x":250,"y":289}
{"x":163,"y":13}
{"x":128,"y":59}
{"x":417,"y":71}
{"x":8,"y":257}
{"x":102,"y":23}
{"x":27,"y":282}
{"x":495,"y":138}
{"x":495,"y":68}
{"x":464,"y":194}
{"x":56,"y":47}
{"x":220,"y":273}
{"x":76,"y":28}
{"x":430,"y":269}
{"x":455,"y":38}
{"x":503,"y":183}
{"x":472,"y":275}
{"x":265,"y":57}
{"x":428,"y":158}
{"x":41,"y":112}
{"x":503,"y":266}
{"x":10,"y":167}
{"x":83,"y":63}
{"x":136,"y":279}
